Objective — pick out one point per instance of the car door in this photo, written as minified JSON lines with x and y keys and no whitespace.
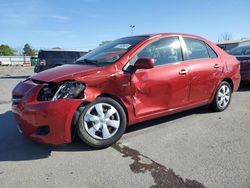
{"x":164,"y":87}
{"x":205,"y":70}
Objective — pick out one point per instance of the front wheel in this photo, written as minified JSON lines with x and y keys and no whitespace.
{"x":222,"y":97}
{"x":102,"y":122}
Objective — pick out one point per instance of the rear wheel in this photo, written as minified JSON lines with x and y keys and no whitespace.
{"x":222,"y":97}
{"x":102,"y":123}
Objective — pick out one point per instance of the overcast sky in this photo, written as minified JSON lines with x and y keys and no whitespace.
{"x":83,"y":24}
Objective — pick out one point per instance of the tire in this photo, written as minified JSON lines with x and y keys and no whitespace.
{"x":101,"y":123}
{"x":222,"y":97}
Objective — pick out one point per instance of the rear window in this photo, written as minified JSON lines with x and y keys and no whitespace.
{"x":50,"y":55}
{"x":60,"y":55}
{"x":72,"y":55}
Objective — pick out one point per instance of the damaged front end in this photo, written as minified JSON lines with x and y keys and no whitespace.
{"x":44,"y":111}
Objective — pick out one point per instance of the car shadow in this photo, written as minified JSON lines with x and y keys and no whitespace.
{"x":15,"y":147}
{"x":169,"y":118}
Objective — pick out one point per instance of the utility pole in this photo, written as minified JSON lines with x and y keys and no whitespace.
{"x":132,"y":29}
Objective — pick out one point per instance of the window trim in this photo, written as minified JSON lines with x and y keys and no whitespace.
{"x":208,"y":46}
{"x":163,"y":37}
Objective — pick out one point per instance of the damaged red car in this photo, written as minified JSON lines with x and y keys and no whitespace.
{"x":126,"y":81}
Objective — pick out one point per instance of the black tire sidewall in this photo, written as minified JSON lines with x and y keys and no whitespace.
{"x":84,"y":135}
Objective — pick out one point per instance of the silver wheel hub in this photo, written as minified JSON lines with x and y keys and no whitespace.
{"x":223,"y":97}
{"x":101,"y":121}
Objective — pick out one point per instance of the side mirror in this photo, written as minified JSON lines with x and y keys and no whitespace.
{"x":144,"y":63}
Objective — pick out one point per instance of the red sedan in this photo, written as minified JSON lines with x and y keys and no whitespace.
{"x":124,"y":82}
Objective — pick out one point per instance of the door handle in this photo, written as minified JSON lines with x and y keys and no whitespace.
{"x":217,"y":66}
{"x":183,"y":72}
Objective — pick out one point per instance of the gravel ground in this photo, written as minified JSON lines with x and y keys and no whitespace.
{"x":196,"y":148}
{"x":11,"y":71}
{"x":9,"y":76}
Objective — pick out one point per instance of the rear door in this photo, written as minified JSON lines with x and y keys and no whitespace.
{"x":166,"y":86}
{"x":205,"y":69}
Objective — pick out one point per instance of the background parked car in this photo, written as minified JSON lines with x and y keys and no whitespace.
{"x":243,"y":55}
{"x":51,"y":58}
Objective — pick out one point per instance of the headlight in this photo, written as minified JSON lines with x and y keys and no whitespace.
{"x":68,"y":89}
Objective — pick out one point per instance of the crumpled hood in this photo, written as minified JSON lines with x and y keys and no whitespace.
{"x":65,"y":72}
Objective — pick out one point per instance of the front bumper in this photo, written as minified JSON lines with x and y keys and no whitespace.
{"x":32,"y":115}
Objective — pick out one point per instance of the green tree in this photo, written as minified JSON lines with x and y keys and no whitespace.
{"x":28,"y":51}
{"x":6,"y":50}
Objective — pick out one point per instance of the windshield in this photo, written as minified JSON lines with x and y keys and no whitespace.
{"x":110,"y":52}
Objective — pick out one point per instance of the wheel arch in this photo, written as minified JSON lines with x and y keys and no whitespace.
{"x":230,"y":81}
{"x":77,"y":113}
{"x":117,"y":99}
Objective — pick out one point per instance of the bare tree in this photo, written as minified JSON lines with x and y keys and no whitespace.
{"x":225,"y":36}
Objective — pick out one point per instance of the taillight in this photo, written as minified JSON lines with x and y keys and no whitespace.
{"x":42,"y":62}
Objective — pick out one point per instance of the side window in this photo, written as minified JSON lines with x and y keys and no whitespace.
{"x":163,"y":51}
{"x":247,"y":51}
{"x":53,"y":55}
{"x":211,"y":52}
{"x":237,"y":51}
{"x":196,"y":49}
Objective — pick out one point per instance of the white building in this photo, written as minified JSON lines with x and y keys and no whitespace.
{"x":230,"y":44}
{"x":15,"y":60}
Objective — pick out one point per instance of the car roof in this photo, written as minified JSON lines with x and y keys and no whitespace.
{"x":169,"y":34}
